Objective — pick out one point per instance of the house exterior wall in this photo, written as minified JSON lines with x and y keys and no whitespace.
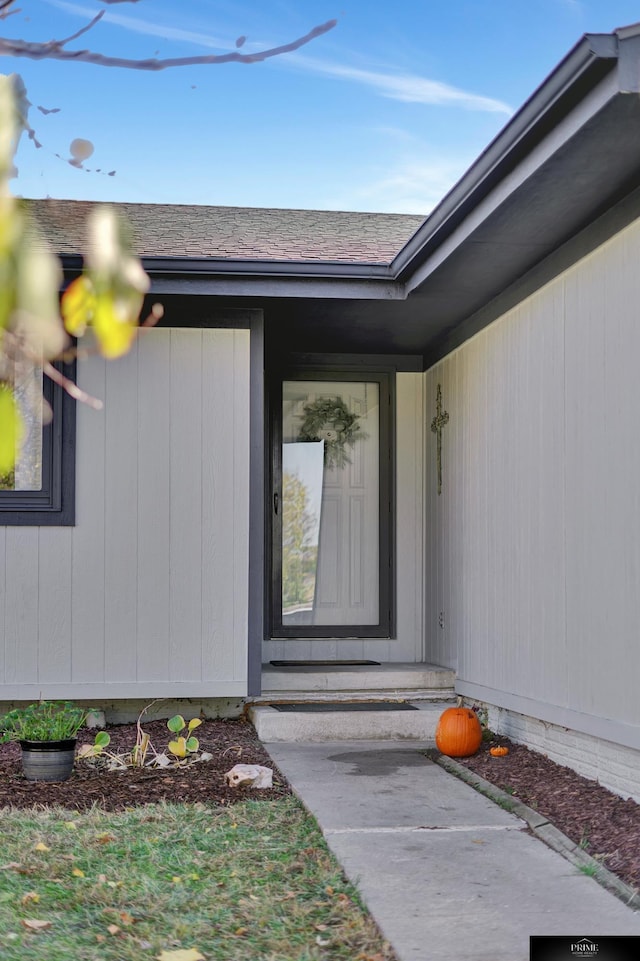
{"x":533,"y":547}
{"x":147,"y":595}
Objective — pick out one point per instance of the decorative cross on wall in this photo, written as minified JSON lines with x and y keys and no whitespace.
{"x":438,"y":422}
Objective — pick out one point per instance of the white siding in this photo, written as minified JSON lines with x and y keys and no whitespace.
{"x":533,"y":547}
{"x":147,"y":595}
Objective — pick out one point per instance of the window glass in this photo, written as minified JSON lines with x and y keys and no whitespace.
{"x":330,"y":503}
{"x":26,"y":381}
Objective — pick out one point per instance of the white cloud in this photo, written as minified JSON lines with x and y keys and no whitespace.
{"x":407,"y":87}
{"x":146,"y":27}
{"x":410,"y":186}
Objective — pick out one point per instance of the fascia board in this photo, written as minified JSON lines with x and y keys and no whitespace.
{"x":254,"y":278}
{"x":510,"y":183}
{"x":287,"y":287}
{"x":594,"y":56}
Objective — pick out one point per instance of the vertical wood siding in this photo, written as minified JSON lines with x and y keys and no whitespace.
{"x":533,"y":548}
{"x":147,"y":595}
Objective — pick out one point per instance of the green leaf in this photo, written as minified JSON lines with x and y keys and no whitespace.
{"x":102,"y":739}
{"x":176,"y":723}
{"x":192,"y":744}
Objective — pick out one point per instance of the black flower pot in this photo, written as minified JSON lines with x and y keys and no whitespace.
{"x":48,"y":760}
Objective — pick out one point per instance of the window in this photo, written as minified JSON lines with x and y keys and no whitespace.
{"x":41,"y":488}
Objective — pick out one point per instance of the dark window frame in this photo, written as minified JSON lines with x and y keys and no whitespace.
{"x":54,"y":504}
{"x":385,"y":377}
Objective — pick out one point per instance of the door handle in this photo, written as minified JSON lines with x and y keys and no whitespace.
{"x":275,"y":503}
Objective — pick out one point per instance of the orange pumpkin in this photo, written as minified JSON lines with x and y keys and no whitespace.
{"x":498,"y":751}
{"x":458,"y":733}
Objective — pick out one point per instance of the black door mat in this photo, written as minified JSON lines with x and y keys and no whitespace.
{"x":324,"y":663}
{"x":315,"y":707}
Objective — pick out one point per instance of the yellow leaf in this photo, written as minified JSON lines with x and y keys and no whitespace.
{"x":33,"y":925}
{"x":77,"y":873}
{"x":11,"y":429}
{"x":72,"y":825}
{"x":178,"y":747}
{"x":176,"y":879}
{"x":30,"y":898}
{"x":113,"y":929}
{"x":194,"y":723}
{"x":41,"y":847}
{"x":184,"y":954}
{"x":115,"y":324}
{"x":78,"y":306}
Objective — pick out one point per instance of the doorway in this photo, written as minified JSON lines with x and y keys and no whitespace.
{"x":331,"y":505}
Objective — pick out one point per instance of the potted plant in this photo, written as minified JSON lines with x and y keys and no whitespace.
{"x":46,"y":732}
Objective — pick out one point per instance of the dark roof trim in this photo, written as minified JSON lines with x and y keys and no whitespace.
{"x":584,"y":67}
{"x":263,"y":278}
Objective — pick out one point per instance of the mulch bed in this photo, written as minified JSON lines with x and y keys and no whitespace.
{"x":230,"y":741}
{"x":607,"y":826}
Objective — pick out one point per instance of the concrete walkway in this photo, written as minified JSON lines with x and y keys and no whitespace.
{"x":447,"y":874}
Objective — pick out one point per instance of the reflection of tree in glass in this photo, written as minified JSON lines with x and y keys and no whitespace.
{"x":23,"y":378}
{"x":299,"y":548}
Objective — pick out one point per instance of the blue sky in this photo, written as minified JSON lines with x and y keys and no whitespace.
{"x":383,"y":113}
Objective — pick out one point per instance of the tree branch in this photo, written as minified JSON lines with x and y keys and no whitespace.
{"x":78,"y":33}
{"x":5,"y":9}
{"x":53,"y":50}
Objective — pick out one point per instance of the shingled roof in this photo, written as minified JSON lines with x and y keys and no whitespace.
{"x":238,"y":233}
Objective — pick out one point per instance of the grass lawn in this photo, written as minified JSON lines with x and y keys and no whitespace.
{"x":253,"y":881}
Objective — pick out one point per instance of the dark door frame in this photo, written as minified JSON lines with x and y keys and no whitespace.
{"x":386,"y":502}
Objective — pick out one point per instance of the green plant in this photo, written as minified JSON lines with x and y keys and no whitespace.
{"x":143,"y":753}
{"x":584,"y":843}
{"x":183,"y":746}
{"x":43,"y":721}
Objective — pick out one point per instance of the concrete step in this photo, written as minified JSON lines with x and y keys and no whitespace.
{"x":383,"y":677}
{"x":335,"y":725}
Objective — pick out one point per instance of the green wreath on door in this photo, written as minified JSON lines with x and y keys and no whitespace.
{"x":329,"y":420}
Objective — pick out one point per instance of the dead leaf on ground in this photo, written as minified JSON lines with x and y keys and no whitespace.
{"x":188,"y":954}
{"x":32,"y":925}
